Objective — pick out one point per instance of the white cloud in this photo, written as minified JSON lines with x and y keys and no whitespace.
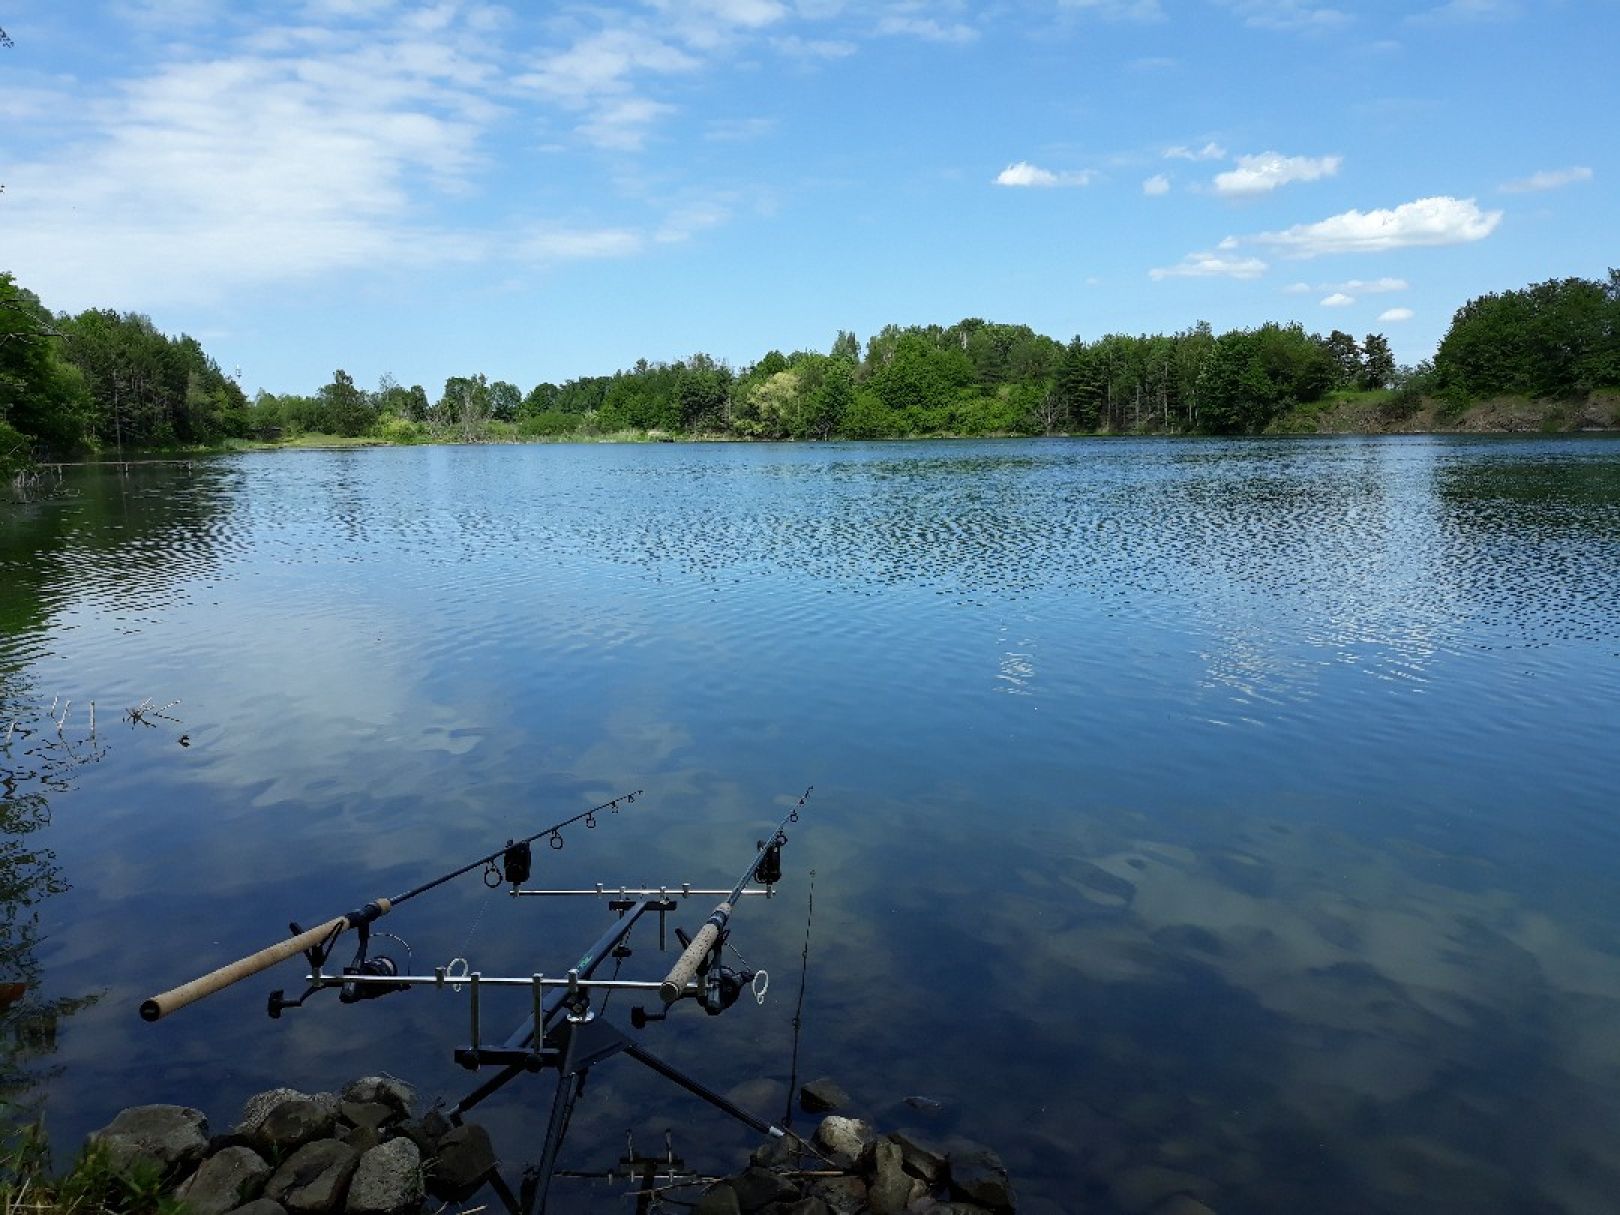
{"x":1297,"y":289}
{"x":1118,"y":10}
{"x":1292,"y":16}
{"x":1265,"y":171}
{"x":1376,"y":286}
{"x":577,"y":244}
{"x":1338,"y":300}
{"x":926,"y":28}
{"x":796,"y":47}
{"x":1456,"y":12}
{"x":1210,"y":265}
{"x":1547,"y":179}
{"x":1396,"y":315}
{"x":1442,"y":220}
{"x":1210,"y":151}
{"x":1156,"y":185}
{"x":738,"y":130}
{"x":1025,"y":174}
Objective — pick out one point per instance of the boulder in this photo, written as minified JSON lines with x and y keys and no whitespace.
{"x":227,"y":1180}
{"x":777,"y":1150}
{"x":362,"y":1139}
{"x":890,"y":1188}
{"x":293,"y":1122}
{"x":372,"y":1115}
{"x":259,"y":1206}
{"x":718,"y":1199}
{"x":257,"y":1106}
{"x":978,"y":1176}
{"x":919,"y":1157}
{"x":757,"y":1188}
{"x":426,"y":1131}
{"x":315,"y":1178}
{"x":925,"y":1105}
{"x":388,"y":1180}
{"x":172,"y":1137}
{"x":382,"y":1089}
{"x":844,"y":1139}
{"x":822,"y":1096}
{"x":464,"y":1158}
{"x":843,"y":1195}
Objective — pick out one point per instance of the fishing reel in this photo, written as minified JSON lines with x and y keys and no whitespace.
{"x":349,"y":992}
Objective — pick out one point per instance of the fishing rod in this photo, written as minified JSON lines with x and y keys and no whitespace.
{"x":704,"y":949}
{"x":316,"y":943}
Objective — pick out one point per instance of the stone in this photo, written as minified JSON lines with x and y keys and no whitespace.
{"x":822,"y":1096}
{"x":844,"y":1139}
{"x":426,"y":1131}
{"x":890,"y":1188}
{"x":172,"y":1137}
{"x":382,"y":1089}
{"x":777,"y":1150}
{"x":843,"y":1195}
{"x":363,"y":1138}
{"x":925,"y":1105}
{"x":373,"y":1115}
{"x":1139,"y":1189}
{"x":315,"y":1178}
{"x":464,"y":1158}
{"x":226,"y":1180}
{"x":257,"y":1106}
{"x":259,"y":1206}
{"x":292,"y":1123}
{"x":978,"y":1176}
{"x":757,"y":1188}
{"x":388,"y":1180}
{"x":920,"y":1157}
{"x":718,"y":1199}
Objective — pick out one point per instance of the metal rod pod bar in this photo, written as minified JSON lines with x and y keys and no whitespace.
{"x":640,"y":892}
{"x":477,"y":980}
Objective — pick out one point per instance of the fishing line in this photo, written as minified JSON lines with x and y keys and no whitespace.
{"x":798,"y":1011}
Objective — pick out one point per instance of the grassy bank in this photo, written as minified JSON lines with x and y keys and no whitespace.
{"x":1392,"y":412}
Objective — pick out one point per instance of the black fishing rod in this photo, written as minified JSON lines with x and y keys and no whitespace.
{"x":705,"y":947}
{"x":515,"y":860}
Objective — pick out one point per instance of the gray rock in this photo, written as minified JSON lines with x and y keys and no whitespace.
{"x":1140,"y":1189}
{"x":388,"y":1180}
{"x":363,"y":1138}
{"x":757,"y":1188}
{"x":464,"y":1158}
{"x":259,"y":1206}
{"x":426,"y":1131}
{"x":843,"y":1195}
{"x":890,"y":1189}
{"x":315,"y":1178}
{"x":805,"y":1206}
{"x":978,"y":1176}
{"x":257,"y":1106}
{"x":384,"y":1089}
{"x":777,"y":1150}
{"x":293,"y":1122}
{"x":172,"y":1137}
{"x":920,"y":1157}
{"x":821,"y":1096}
{"x":925,"y":1105}
{"x":226,"y":1180}
{"x":844,"y":1139}
{"x":718,"y":1199}
{"x":374,"y":1115}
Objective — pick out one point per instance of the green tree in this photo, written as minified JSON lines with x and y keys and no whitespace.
{"x":1347,"y":355}
{"x":1378,"y":370}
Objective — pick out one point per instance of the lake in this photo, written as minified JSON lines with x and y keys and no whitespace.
{"x":1233,"y":816}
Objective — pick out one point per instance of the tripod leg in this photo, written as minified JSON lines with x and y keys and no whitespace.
{"x":699,"y":1090}
{"x":562,"y":1108}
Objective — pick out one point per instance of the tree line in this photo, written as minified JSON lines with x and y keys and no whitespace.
{"x":108,"y":380}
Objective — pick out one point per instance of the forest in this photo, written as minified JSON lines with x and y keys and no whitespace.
{"x":109,"y":382}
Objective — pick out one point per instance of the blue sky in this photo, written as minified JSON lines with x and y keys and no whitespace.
{"x":432,"y":189}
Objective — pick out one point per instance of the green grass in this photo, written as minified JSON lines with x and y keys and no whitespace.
{"x":91,"y":1187}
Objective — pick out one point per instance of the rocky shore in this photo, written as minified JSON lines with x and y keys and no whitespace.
{"x":366,"y":1151}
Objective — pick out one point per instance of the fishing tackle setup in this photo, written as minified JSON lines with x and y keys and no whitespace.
{"x":562,"y":1029}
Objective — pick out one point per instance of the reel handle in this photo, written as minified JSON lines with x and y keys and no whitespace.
{"x":234,"y":972}
{"x":686,"y":965}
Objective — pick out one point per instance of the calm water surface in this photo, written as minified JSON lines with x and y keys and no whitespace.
{"x":1239,"y":809}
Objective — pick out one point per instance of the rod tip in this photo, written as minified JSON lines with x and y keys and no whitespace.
{"x":150,"y":1010}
